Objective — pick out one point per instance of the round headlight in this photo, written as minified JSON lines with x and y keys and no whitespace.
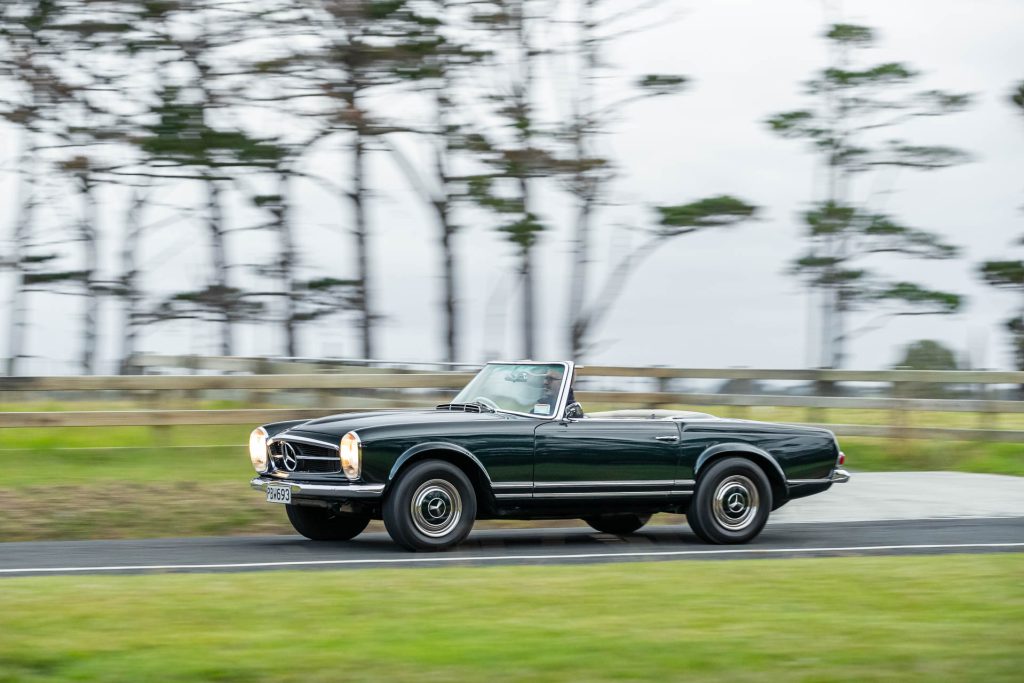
{"x":258,"y":450}
{"x":351,"y":453}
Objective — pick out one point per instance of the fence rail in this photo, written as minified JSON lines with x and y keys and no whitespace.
{"x":408,"y":386}
{"x":256,"y":365}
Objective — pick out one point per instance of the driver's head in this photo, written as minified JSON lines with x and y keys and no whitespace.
{"x":552,"y":378}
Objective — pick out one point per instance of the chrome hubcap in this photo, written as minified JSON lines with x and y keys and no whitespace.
{"x":736,"y":502}
{"x":436,"y":508}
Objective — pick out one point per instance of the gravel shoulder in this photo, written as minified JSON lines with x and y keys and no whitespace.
{"x":872,"y":496}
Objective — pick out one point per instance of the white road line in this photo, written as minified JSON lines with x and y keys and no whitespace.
{"x":499,"y":558}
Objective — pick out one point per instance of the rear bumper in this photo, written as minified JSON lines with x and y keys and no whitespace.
{"x":840,"y":477}
{"x":322,"y":491}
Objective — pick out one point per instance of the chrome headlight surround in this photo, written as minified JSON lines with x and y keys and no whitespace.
{"x":351,"y":453}
{"x":259,"y":453}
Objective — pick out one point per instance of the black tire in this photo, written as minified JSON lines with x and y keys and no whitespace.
{"x":732,"y":502}
{"x":321,"y":524}
{"x":619,"y":524}
{"x":432,"y":506}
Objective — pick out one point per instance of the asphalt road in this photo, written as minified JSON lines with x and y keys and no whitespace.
{"x":512,"y":546}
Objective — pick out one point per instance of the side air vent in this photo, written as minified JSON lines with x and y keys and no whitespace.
{"x":463,"y":408}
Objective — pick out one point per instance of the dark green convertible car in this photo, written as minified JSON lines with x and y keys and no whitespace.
{"x":515,"y":444}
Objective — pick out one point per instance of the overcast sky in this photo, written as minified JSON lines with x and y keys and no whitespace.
{"x":716,"y":299}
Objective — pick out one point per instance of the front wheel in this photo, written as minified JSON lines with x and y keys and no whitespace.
{"x":321,"y":524}
{"x":732,"y":502}
{"x":431,"y":507}
{"x":619,"y":524}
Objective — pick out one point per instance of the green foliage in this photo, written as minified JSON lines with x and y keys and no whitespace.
{"x":927,"y":354}
{"x":1009,"y":274}
{"x":662,"y":84}
{"x":182,"y":136}
{"x":1015,"y":326}
{"x":919,"y":299}
{"x":1017,"y":97}
{"x":43,"y":278}
{"x":322,"y":297}
{"x":711,"y":212}
{"x":523,"y":232}
{"x":866,"y":234}
{"x":216,"y":302}
{"x":890,"y":73}
{"x":850,"y":34}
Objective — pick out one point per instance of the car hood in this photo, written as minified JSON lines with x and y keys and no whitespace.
{"x":339,"y":425}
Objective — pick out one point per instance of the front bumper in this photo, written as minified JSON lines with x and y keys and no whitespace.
{"x":840,"y":477}
{"x":322,"y":491}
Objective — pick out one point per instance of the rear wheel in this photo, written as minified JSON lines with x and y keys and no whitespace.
{"x":431,"y":507}
{"x":619,"y":524}
{"x":732,"y":502}
{"x":321,"y":524}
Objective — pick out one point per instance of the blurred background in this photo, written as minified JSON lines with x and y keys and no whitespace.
{"x":216,"y":214}
{"x":785,"y":185}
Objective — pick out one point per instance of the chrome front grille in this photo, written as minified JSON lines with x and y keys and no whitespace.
{"x":307,"y":457}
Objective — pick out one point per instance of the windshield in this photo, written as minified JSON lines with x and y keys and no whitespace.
{"x":516,"y":387}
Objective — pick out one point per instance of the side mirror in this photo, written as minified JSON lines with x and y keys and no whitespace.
{"x":573,"y":411}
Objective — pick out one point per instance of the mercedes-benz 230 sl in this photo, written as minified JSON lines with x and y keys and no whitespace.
{"x":514,"y":444}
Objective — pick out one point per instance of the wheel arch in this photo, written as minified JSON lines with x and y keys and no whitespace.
{"x":451,"y":453}
{"x":765,"y":460}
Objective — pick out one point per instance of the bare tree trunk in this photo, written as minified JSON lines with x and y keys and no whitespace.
{"x":526,"y":129}
{"x":451,"y":319}
{"x":129,"y":282}
{"x":18,"y":301}
{"x":215,"y":225}
{"x":442,"y":207}
{"x":585,"y":190}
{"x":526,"y":272}
{"x":578,"y":327}
{"x":362,"y":242}
{"x":90,"y":246}
{"x":287,"y":264}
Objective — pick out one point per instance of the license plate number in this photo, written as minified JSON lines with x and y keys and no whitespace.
{"x":279,"y":494}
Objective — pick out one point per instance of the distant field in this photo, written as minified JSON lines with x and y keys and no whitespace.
{"x":949,"y":618}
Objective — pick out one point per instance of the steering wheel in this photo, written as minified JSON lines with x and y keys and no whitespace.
{"x":487,"y":402}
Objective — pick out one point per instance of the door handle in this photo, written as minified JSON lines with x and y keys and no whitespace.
{"x":667,"y":438}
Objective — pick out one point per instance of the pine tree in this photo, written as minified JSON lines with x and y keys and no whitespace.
{"x":852,"y":128}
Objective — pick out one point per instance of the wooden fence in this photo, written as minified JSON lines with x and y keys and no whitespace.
{"x":408,"y":386}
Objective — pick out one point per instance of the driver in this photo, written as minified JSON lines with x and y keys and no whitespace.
{"x":548,"y":399}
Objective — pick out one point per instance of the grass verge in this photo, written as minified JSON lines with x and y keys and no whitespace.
{"x":950,"y":618}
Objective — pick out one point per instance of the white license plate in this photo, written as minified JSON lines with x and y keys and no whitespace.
{"x":279,"y":494}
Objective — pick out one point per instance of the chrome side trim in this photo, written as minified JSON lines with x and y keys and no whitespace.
{"x":303,"y":439}
{"x":603,"y":484}
{"x":304,"y":490}
{"x":509,"y":496}
{"x":612,"y":494}
{"x":668,"y":486}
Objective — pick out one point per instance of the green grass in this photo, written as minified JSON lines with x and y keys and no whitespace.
{"x":890,"y":455}
{"x":949,"y":618}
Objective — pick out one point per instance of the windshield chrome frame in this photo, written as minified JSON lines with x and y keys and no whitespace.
{"x":563,"y":390}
